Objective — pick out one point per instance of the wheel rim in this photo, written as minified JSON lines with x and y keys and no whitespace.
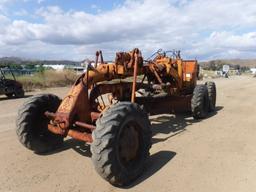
{"x":129,"y":145}
{"x":40,"y":130}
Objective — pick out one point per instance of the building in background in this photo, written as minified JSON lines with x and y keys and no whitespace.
{"x":253,"y":70}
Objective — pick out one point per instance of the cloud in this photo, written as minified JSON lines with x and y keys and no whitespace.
{"x":227,"y":45}
{"x":201,"y":28}
{"x":21,"y":12}
{"x":40,"y":1}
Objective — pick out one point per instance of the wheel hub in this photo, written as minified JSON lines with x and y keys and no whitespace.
{"x":129,"y":143}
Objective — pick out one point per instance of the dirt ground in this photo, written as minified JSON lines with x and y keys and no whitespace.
{"x":215,"y":154}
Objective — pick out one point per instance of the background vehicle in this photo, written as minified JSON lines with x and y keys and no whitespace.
{"x":108,"y":107}
{"x":10,"y":87}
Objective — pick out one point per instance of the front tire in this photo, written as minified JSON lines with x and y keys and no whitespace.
{"x":121,"y":143}
{"x":31,"y":123}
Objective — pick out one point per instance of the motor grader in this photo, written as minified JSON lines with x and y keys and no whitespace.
{"x":108,"y":107}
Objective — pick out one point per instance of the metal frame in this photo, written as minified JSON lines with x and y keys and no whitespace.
{"x":3,"y":75}
{"x":79,"y":110}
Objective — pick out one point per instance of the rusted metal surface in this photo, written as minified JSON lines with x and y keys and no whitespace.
{"x":118,"y":91}
{"x":57,"y":130}
{"x":163,"y":75}
{"x":95,"y":116}
{"x":165,"y":104}
{"x":85,"y":125}
{"x":98,"y":54}
{"x":135,"y":73}
{"x":50,"y":115}
{"x":152,"y":68}
{"x":80,"y":136}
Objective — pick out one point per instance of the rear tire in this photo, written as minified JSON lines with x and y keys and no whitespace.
{"x":9,"y":95}
{"x":121,"y":143}
{"x":31,"y":123}
{"x":200,"y":102}
{"x":19,"y":93}
{"x":212,"y":95}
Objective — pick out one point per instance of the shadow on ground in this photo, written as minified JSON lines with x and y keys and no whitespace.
{"x":164,"y":124}
{"x":13,"y":98}
{"x":155,"y":162}
{"x":153,"y":165}
{"x":175,"y":125}
{"x":79,"y":146}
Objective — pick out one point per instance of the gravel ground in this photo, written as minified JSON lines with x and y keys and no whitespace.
{"x":215,"y":154}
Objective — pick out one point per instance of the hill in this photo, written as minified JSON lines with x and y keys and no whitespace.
{"x":213,"y":64}
{"x":21,"y":61}
{"x":236,"y":63}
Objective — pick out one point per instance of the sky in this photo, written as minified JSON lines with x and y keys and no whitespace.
{"x":76,"y":29}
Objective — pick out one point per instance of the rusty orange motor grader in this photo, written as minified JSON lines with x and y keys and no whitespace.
{"x":108,"y":107}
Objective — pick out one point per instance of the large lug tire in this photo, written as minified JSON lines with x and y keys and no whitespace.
{"x":121,"y":143}
{"x":9,"y":95}
{"x":31,"y":123}
{"x":211,"y":87}
{"x":200,"y":102}
{"x":19,"y":93}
